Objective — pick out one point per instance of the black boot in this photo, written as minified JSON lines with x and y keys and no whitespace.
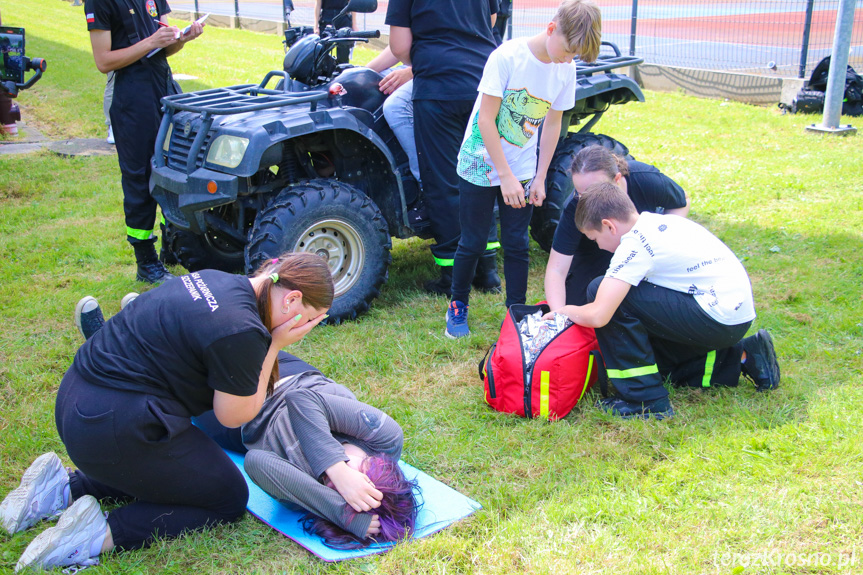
{"x":150,"y":269}
{"x":441,"y":285}
{"x":486,"y":278}
{"x":166,"y":255}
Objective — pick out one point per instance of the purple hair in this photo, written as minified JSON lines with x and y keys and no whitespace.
{"x":397,"y":512}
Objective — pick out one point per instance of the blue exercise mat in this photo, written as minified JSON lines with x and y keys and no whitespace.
{"x":442,"y":506}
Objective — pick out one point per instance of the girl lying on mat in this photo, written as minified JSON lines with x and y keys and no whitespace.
{"x":314,"y":446}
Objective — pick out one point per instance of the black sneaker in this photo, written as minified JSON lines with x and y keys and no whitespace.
{"x":153,"y":272}
{"x":761,"y":366}
{"x":441,"y":285}
{"x":88,"y":316}
{"x":486,"y":278}
{"x":658,"y":408}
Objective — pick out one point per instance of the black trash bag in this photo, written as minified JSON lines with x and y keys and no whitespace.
{"x":808,"y":101}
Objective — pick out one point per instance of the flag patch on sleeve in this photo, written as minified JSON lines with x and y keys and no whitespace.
{"x":90,"y":18}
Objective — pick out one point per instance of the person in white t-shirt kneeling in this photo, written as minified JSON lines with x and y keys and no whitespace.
{"x":675,"y":303}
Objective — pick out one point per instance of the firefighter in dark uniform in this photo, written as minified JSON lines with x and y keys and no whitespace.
{"x":325,"y":13}
{"x":133,"y":39}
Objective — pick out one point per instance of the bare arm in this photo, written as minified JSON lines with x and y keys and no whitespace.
{"x":234,"y":410}
{"x":401,"y":40}
{"x":598,"y":313}
{"x":108,"y":60}
{"x":386,"y":59}
{"x":510,"y":187}
{"x":555,"y":278}
{"x":682,"y":212}
{"x":317,"y":16}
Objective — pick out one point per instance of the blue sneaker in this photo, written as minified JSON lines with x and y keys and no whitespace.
{"x":456,"y":320}
{"x":658,"y":408}
{"x":88,"y":316}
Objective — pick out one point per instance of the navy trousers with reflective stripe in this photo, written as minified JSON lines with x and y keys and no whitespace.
{"x":439,"y":127}
{"x":658,"y":333}
{"x":143,"y":450}
{"x":135,"y":118}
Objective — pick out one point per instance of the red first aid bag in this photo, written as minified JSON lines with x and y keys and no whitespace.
{"x":563,"y":371}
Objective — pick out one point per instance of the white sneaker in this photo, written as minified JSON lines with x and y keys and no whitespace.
{"x":72,"y":541}
{"x":127,"y":299}
{"x":42,"y":494}
{"x":110,"y":138}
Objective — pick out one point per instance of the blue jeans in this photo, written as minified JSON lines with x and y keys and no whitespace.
{"x":476,"y":215}
{"x":399,"y":112}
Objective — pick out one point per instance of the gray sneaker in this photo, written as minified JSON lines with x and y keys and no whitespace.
{"x":128,"y":298}
{"x":81,"y":528}
{"x":42,"y":494}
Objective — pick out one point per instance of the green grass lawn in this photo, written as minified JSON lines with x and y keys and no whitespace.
{"x":737,"y":482}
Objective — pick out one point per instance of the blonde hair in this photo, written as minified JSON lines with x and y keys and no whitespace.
{"x":580,"y":22}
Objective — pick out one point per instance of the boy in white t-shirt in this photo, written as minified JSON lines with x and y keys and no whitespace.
{"x":526,"y":83}
{"x":675,"y":303}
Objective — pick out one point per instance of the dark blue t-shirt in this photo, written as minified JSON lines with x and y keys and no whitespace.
{"x":648,"y":188}
{"x":191,"y":336}
{"x":451,"y":42}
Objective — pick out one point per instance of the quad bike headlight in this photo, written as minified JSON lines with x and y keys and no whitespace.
{"x":228,"y":151}
{"x":167,"y":144}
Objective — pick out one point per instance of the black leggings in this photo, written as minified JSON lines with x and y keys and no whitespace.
{"x":143,"y":449}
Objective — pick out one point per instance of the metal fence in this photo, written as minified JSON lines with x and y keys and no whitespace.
{"x":784,"y":38}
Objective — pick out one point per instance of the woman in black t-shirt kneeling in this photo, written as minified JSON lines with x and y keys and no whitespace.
{"x":574,"y":260}
{"x":202,"y":341}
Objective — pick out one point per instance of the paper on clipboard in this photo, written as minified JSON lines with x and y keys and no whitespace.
{"x":182,"y":33}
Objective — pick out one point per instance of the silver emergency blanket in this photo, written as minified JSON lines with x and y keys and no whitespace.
{"x":536,"y":333}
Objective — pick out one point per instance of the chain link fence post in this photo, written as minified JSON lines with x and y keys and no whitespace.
{"x":804,"y":49}
{"x":835,"y":93}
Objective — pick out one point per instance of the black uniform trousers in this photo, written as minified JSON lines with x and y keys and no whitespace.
{"x":143,"y":449}
{"x":135,"y":118}
{"x":586,"y":265}
{"x":658,"y":333}
{"x":439,"y":127}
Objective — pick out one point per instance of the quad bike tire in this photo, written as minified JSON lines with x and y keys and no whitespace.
{"x":338,"y":222}
{"x":199,"y":252}
{"x":558,"y":183}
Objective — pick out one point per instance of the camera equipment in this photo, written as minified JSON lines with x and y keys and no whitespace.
{"x":14,"y":63}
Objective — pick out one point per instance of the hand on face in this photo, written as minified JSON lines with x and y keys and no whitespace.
{"x":293,"y":319}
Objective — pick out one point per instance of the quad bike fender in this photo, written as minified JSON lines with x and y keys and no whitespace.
{"x":359,"y":122}
{"x":184,"y":198}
